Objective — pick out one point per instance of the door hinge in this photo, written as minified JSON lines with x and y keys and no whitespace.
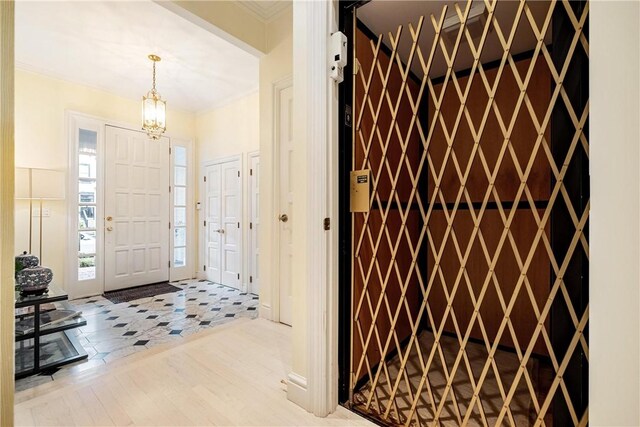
{"x":327,"y":224}
{"x":205,"y":179}
{"x":250,"y":279}
{"x":205,"y":268}
{"x":250,"y":226}
{"x":238,"y":174}
{"x":251,"y":172}
{"x":169,"y":189}
{"x":238,"y":225}
{"x":169,"y":264}
{"x":169,"y":150}
{"x":205,"y":223}
{"x":169,"y":225}
{"x":238,"y":276}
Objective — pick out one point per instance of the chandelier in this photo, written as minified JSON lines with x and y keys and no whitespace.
{"x":154,"y":119}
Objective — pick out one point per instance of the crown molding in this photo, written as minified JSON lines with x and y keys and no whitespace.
{"x":266,"y":11}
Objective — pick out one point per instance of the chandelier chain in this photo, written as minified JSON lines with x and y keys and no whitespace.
{"x":154,"y":77}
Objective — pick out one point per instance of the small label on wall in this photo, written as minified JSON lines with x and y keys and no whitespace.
{"x":360,"y":190}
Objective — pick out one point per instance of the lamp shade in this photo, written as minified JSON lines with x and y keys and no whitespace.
{"x":154,"y":115}
{"x":48,"y":184}
{"x":23,"y":183}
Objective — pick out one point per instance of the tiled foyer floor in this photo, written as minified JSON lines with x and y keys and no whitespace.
{"x":114,"y":331}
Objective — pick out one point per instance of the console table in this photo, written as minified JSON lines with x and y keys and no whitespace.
{"x":46,"y":346}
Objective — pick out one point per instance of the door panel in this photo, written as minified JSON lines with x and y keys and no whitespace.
{"x":231,"y":208}
{"x":136,"y":209}
{"x":212,"y":212}
{"x":285,"y":147}
{"x":223,"y":223}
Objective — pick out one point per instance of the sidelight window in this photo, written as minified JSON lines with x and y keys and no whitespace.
{"x":87,"y":190}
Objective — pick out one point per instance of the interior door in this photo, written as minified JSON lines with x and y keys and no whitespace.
{"x":285,"y":147}
{"x":136,"y":209}
{"x":254,"y":224}
{"x":212,"y":223}
{"x":231,"y":211}
{"x":223,"y":208}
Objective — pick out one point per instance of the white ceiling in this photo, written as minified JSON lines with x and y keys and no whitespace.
{"x":384,"y":16}
{"x":105,"y":45}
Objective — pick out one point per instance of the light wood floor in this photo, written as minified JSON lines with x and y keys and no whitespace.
{"x":230,"y":375}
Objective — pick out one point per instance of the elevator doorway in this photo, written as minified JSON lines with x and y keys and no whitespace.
{"x":466,"y":288}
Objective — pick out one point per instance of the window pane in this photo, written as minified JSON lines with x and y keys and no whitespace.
{"x":179,"y":257}
{"x":180,"y":158}
{"x":87,"y":166}
{"x":181,"y":196}
{"x":87,"y":242}
{"x":180,"y":175}
{"x":88,"y":141}
{"x":86,"y":217}
{"x":87,"y":192}
{"x":180,"y":236}
{"x":86,"y":267}
{"x":180,"y":216}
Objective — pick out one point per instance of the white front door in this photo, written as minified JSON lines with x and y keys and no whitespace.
{"x":286,"y":216}
{"x":223,"y":207}
{"x":254,"y":224}
{"x":136,"y":209}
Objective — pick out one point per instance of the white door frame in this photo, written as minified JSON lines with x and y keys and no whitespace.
{"x":192,"y":228}
{"x":202,"y":214}
{"x":75,"y":288}
{"x":277,"y":88}
{"x":316,"y":108}
{"x":72,"y":120}
{"x":247,"y":219}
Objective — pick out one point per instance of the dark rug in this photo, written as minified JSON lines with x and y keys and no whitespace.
{"x":129,"y":294}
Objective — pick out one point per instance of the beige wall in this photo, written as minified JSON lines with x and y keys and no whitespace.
{"x":41,"y":142}
{"x":614,"y":326}
{"x":230,"y":129}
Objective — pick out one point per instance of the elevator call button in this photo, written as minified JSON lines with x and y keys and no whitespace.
{"x":360,"y":190}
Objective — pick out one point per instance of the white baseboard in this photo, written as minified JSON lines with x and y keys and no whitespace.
{"x":297,"y":390}
{"x":265,"y":311}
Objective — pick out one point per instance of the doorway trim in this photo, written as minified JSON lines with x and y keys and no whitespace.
{"x":202,"y":274}
{"x":316,"y":99}
{"x":247,"y":218}
{"x":272,"y":311}
{"x":74,"y":122}
{"x":192,"y":227}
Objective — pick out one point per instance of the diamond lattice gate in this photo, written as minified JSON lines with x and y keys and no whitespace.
{"x":469,"y":271}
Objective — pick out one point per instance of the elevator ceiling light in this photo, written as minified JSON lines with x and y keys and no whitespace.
{"x":475,"y":23}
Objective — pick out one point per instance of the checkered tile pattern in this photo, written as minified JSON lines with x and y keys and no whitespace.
{"x":114,"y":331}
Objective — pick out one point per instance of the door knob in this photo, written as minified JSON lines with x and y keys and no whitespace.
{"x":221,"y":231}
{"x":283,"y":218}
{"x":109,"y":218}
{"x":109,"y":228}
